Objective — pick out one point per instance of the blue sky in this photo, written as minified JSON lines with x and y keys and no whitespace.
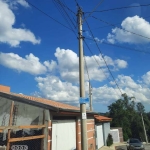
{"x":39,"y":57}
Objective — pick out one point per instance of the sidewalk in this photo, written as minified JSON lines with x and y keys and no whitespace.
{"x":112,"y":147}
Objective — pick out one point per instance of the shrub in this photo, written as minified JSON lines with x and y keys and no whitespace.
{"x":109,"y":140}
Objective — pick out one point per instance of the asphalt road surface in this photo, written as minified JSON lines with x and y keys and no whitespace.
{"x":147,"y":147}
{"x":124,"y":147}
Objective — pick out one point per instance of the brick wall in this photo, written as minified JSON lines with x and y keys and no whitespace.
{"x":120,"y":134}
{"x":90,"y":134}
{"x":4,"y":88}
{"x":49,"y":135}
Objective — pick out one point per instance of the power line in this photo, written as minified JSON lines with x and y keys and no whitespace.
{"x":86,"y":67}
{"x":121,"y":28}
{"x":77,"y":3}
{"x":75,"y":20}
{"x":144,"y":5}
{"x":63,"y":5}
{"x":99,"y":65}
{"x":104,"y":58}
{"x":120,"y":46}
{"x":94,"y":9}
{"x":114,"y":24}
{"x":63,"y":12}
{"x":47,"y":15}
{"x":67,"y":7}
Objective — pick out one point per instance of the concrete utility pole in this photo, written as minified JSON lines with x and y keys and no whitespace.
{"x":84,"y":144}
{"x":90,"y":96}
{"x":144,"y":129}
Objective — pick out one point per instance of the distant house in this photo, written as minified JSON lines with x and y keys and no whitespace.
{"x":41,"y":124}
{"x":102,"y":127}
{"x":117,"y":134}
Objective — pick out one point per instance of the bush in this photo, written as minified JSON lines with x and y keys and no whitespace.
{"x":109,"y":140}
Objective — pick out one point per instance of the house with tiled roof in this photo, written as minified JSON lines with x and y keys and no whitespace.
{"x":41,"y":124}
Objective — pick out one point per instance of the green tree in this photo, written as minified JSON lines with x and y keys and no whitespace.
{"x":126,"y":114}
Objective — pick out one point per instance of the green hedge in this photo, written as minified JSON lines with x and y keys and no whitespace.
{"x":109,"y":140}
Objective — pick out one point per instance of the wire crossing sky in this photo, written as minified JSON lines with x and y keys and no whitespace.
{"x":39,"y":50}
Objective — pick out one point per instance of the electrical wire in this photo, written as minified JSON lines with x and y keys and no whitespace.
{"x":63,"y":10}
{"x":86,"y":68}
{"x":99,"y":65}
{"x":77,"y":4}
{"x":114,"y":24}
{"x":120,"y":46}
{"x":62,"y":3}
{"x":73,"y":13}
{"x":47,"y":15}
{"x":143,"y":5}
{"x":104,"y":58}
{"x":93,"y":10}
{"x":63,"y":13}
{"x":121,"y":28}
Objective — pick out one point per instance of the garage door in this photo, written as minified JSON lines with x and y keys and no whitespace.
{"x":64,"y":135}
{"x":99,"y":138}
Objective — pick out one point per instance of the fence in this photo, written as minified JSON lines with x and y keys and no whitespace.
{"x":21,"y":126}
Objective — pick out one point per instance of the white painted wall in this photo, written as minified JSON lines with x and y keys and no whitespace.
{"x":64,"y":135}
{"x":115,"y":135}
{"x":99,"y":138}
{"x":106,"y":131}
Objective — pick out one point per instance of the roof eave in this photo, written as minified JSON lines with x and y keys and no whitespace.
{"x":38,"y":104}
{"x":27,"y":101}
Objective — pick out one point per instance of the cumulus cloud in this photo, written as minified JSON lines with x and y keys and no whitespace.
{"x":23,"y":3}
{"x":53,"y":88}
{"x":60,"y":80}
{"x":68,"y":64}
{"x":13,"y":4}
{"x":29,"y":64}
{"x":105,"y":94}
{"x":121,"y":63}
{"x":51,"y":65}
{"x":9,"y":34}
{"x":146,"y":78}
{"x":134,"y":24}
{"x":133,"y":88}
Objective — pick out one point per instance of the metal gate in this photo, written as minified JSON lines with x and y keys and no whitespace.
{"x":64,"y":135}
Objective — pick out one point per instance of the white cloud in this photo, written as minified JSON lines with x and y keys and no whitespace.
{"x":13,"y":4}
{"x":52,"y":66}
{"x":68,"y":64}
{"x":105,"y":94}
{"x":121,"y":63}
{"x":53,"y":88}
{"x":10,"y":35}
{"x":127,"y":81}
{"x":134,"y":24}
{"x":29,"y":64}
{"x":133,"y":88}
{"x":23,"y":3}
{"x":146,"y":78}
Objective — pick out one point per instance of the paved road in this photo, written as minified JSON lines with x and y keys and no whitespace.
{"x":147,"y":147}
{"x":124,"y":147}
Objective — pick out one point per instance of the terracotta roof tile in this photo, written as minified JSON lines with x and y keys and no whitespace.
{"x":4,"y":88}
{"x":102,"y":118}
{"x":44,"y":101}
